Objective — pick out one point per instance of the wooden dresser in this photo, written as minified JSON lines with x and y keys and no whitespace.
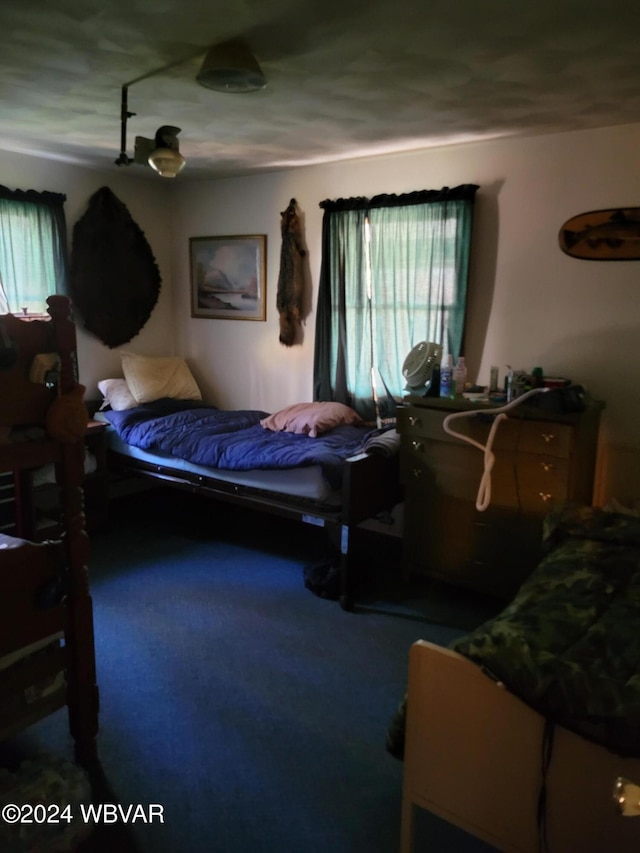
{"x":542,"y":459}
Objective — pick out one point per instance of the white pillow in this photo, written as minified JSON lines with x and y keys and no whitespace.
{"x":151,"y":378}
{"x":116,"y":394}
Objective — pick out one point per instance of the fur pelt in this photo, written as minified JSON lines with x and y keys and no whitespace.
{"x":290,"y":296}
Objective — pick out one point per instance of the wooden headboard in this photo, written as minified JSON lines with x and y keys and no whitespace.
{"x":23,"y":402}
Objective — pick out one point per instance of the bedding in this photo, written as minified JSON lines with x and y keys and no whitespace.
{"x":306,"y":483}
{"x":568,"y":644}
{"x":232,"y":440}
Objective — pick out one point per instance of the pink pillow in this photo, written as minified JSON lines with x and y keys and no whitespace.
{"x":311,"y":418}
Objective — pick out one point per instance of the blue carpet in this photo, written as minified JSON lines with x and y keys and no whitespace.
{"x":254,"y":712}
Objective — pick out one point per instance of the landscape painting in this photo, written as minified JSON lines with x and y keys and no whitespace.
{"x":228,"y":277}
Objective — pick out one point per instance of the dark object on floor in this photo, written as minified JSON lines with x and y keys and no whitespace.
{"x":396,"y":732}
{"x":323,"y":578}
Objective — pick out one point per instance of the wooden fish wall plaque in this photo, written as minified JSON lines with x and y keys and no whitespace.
{"x":603,"y":235}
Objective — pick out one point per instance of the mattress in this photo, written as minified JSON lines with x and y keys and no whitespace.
{"x":307,"y":482}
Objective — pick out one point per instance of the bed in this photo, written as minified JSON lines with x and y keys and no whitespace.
{"x":520,"y":730}
{"x":47,"y":657}
{"x":314,"y":462}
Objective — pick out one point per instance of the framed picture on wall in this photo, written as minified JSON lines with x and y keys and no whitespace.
{"x":228,"y":277}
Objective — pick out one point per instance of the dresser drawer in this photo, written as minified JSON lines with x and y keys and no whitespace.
{"x":543,"y":482}
{"x":445,"y":469}
{"x":491,"y":552}
{"x":415,"y":425}
{"x":547,"y":438}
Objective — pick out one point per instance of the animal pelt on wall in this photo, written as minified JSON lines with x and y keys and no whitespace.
{"x":114,"y":280}
{"x":290,"y":297}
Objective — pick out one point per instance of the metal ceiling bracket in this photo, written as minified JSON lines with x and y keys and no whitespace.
{"x":123,"y":158}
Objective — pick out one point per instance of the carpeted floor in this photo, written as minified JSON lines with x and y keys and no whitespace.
{"x":251,"y":711}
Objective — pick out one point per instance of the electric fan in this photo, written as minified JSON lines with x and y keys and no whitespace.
{"x":418,"y":365}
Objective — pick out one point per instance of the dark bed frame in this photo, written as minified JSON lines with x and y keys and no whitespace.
{"x":370,"y":485}
{"x":44,"y":586}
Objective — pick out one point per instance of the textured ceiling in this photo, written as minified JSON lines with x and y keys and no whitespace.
{"x":346,"y":78}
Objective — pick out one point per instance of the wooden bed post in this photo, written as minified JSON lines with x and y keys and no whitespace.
{"x":81,"y":676}
{"x":65,"y":340}
{"x":56,"y":409}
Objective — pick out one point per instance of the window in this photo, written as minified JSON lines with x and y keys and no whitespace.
{"x":394,"y":273}
{"x":33,"y":249}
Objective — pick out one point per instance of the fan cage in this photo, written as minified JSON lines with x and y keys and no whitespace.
{"x":419,"y":364}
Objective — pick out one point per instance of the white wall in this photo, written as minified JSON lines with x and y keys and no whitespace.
{"x":529,"y":303}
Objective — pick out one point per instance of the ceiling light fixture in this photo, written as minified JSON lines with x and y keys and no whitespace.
{"x":166,"y":158}
{"x":227,"y":67}
{"x":231,"y":67}
{"x":162,"y":153}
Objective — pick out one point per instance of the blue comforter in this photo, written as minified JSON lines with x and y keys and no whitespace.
{"x":233,"y":440}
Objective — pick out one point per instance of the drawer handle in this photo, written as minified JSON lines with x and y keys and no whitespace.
{"x":414,"y":421}
{"x":417,"y":473}
{"x":548,"y":437}
{"x":418,"y":445}
{"x":547,"y":466}
{"x":546,"y":496}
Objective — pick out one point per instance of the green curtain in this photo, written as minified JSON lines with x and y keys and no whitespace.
{"x":394,"y":272}
{"x":33,"y":248}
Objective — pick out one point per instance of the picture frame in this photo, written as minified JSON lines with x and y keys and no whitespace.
{"x":228,"y":277}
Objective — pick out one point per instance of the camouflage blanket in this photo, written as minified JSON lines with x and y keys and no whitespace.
{"x":569,"y":642}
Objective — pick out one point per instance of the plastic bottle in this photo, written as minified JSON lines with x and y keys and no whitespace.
{"x":508,"y":384}
{"x":460,"y":377}
{"x":447,"y":388}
